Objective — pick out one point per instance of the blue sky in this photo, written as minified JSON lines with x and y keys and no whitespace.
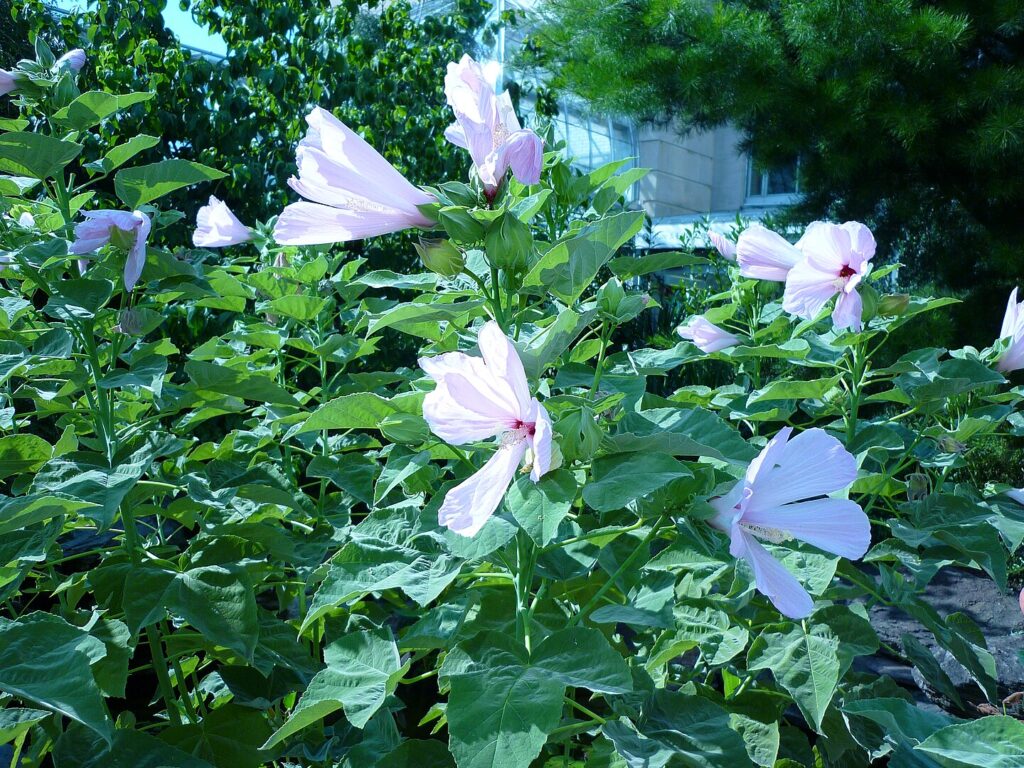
{"x":177,"y":20}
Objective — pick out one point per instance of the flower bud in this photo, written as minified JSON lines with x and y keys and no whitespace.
{"x":129,"y":322}
{"x":440,"y":256}
{"x":918,"y":486}
{"x":74,"y":59}
{"x":610,"y":296}
{"x":509,"y":243}
{"x":869,"y":300}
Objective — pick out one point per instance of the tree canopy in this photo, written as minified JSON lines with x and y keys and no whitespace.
{"x":377,"y":65}
{"x":906,"y":114}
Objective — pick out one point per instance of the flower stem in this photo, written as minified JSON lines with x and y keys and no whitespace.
{"x":640,"y":549}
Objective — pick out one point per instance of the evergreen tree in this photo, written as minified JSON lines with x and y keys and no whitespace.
{"x":906,"y":114}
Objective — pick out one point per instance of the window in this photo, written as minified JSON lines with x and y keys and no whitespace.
{"x":773,"y":187}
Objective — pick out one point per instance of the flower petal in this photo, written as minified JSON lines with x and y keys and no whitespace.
{"x":217,"y":226}
{"x":540,"y":443}
{"x":848,"y":311}
{"x":504,"y":364}
{"x":765,"y":255}
{"x":773,"y":580}
{"x":811,"y":464}
{"x":523,"y":152}
{"x":808,"y":289}
{"x":470,"y":504}
{"x":305,"y":223}
{"x":136,"y":260}
{"x":838,"y":526}
{"x":826,"y":245}
{"x":707,"y":336}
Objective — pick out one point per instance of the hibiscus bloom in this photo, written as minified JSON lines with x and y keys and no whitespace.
{"x":477,"y":398}
{"x":707,"y":336}
{"x":765,"y":255}
{"x":783,"y":496}
{"x":725,"y":247}
{"x":1012,"y":358}
{"x":217,"y":226}
{"x":486,"y":125}
{"x":836,"y":259}
{"x":101,"y":226}
{"x":75,"y":59}
{"x":355,"y":192}
{"x":9,"y":81}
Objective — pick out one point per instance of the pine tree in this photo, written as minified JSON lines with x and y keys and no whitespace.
{"x":908,"y":115}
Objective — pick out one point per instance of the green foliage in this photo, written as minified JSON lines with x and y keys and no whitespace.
{"x":906,"y":115}
{"x":220,"y":541}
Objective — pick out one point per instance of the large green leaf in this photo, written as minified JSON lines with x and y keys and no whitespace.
{"x":901,"y":720}
{"x":540,"y":507}
{"x":231,"y":381}
{"x":362,"y":669}
{"x":35,"y":154}
{"x":582,"y":658}
{"x":84,"y":477}
{"x":571,"y":265}
{"x":79,"y":748}
{"x":360,"y":410}
{"x":145,"y":183}
{"x":229,"y":735}
{"x":622,"y":478}
{"x":991,"y":742}
{"x":678,"y":731}
{"x":500,"y":709}
{"x":219,"y":601}
{"x":18,"y":512}
{"x":92,"y":107}
{"x":368,"y":564}
{"x":22,"y":453}
{"x":804,"y":658}
{"x":45,"y":660}
{"x":681,"y":432}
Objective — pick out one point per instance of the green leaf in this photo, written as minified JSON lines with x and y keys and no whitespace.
{"x":582,"y":658}
{"x":500,"y":709}
{"x":92,"y":107}
{"x":571,"y":265}
{"x":219,"y":601}
{"x":681,"y":432}
{"x":33,"y":648}
{"x":145,"y":183}
{"x":793,"y":390}
{"x":991,"y":742}
{"x":804,"y":661}
{"x":22,"y":453}
{"x":122,"y":153}
{"x":678,"y":730}
{"x":627,"y":267}
{"x":35,"y":154}
{"x":540,"y":507}
{"x":79,"y":748}
{"x":360,"y":410}
{"x":229,"y":735}
{"x":230,"y":381}
{"x":370,"y":565}
{"x":708,"y":629}
{"x":422,"y":317}
{"x":297,"y":307}
{"x":929,"y":668}
{"x":15,"y":721}
{"x":622,"y":478}
{"x":362,"y":670}
{"x":901,"y":720}
{"x":18,"y":512}
{"x":17,"y":186}
{"x":84,"y":477}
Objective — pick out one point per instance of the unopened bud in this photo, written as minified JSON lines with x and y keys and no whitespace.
{"x":440,"y":256}
{"x":918,"y":486}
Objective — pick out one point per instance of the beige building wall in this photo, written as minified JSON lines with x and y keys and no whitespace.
{"x":694,"y":173}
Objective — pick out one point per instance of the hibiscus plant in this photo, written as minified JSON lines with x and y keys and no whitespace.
{"x":230,"y":538}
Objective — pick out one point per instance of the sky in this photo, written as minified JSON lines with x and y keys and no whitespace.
{"x":178,"y":21}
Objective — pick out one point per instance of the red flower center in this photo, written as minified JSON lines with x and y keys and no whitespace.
{"x":846,"y":271}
